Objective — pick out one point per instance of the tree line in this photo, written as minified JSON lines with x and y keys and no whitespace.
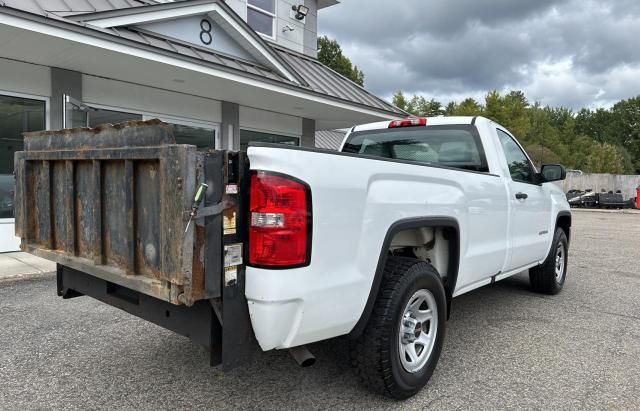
{"x":594,"y":141}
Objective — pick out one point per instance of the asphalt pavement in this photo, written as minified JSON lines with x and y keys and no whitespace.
{"x":506,"y":347}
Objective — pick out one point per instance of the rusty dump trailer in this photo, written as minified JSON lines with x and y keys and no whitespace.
{"x":110,"y":206}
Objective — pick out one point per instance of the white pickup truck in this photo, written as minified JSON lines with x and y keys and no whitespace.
{"x":372,"y":242}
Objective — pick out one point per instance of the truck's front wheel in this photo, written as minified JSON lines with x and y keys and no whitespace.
{"x":399,"y":349}
{"x":548,"y":278}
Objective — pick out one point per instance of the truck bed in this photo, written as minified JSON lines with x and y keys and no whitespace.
{"x":114,"y":202}
{"x":110,"y":205}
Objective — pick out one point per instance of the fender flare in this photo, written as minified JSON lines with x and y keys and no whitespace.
{"x":556,"y":223}
{"x":407,"y":224}
{"x":565,"y":213}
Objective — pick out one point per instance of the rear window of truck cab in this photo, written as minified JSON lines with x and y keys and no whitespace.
{"x":448,"y":146}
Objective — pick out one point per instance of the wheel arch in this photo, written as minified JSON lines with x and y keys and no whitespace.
{"x":407,"y":224}
{"x":563,"y":220}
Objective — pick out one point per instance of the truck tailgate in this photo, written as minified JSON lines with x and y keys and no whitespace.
{"x":114,"y":202}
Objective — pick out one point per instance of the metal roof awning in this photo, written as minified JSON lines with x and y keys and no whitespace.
{"x":329,"y":139}
{"x":31,"y":24}
{"x":326,"y":81}
{"x":65,"y":8}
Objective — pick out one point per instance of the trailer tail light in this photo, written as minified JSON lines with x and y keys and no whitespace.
{"x":408,"y":122}
{"x":279,"y":221}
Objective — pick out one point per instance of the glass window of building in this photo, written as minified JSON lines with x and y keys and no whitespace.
{"x":202,"y":137}
{"x":261,"y":16}
{"x":247,"y":137}
{"x":17,"y":115}
{"x":78,"y":115}
{"x":100,"y":116}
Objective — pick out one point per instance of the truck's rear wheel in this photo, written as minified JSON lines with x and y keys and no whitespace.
{"x":400,"y":346}
{"x":548,"y":278}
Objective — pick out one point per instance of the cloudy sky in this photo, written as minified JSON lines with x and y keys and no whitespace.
{"x":572,"y":53}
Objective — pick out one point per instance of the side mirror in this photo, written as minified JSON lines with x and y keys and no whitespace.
{"x":552,"y":172}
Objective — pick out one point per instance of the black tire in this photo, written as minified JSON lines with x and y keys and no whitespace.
{"x":543,"y":277}
{"x":375,"y":355}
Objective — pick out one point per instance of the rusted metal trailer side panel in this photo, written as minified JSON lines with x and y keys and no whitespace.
{"x":112,"y":202}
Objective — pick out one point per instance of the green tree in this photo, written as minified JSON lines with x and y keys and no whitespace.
{"x":629,"y":167}
{"x":433,"y":108}
{"x":606,"y":158}
{"x":330,"y":54}
{"x":560,"y":117}
{"x":450,"y":108}
{"x":581,"y":148}
{"x":468,"y":107}
{"x":400,"y":101}
{"x":543,"y":145}
{"x":540,"y":154}
{"x":418,"y":105}
{"x":595,"y":124}
{"x":510,"y":111}
{"x":624,"y":128}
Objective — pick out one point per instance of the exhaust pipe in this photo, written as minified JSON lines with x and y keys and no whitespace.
{"x":303,"y":356}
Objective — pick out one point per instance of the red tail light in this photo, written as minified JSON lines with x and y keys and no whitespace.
{"x":408,"y":122}
{"x":280,"y":221}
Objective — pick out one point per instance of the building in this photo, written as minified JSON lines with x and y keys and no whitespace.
{"x":330,"y":139}
{"x":224,"y":73}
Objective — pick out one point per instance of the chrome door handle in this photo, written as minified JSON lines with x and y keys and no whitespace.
{"x":521,"y":196}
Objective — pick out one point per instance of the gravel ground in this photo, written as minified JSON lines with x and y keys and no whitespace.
{"x":506,"y":348}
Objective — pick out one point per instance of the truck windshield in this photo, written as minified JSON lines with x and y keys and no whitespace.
{"x":450,"y":146}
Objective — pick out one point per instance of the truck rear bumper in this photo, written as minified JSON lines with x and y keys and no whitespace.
{"x":230,"y":346}
{"x":292,"y":323}
{"x":289,"y":308}
{"x":197,"y":322}
{"x":275,"y":323}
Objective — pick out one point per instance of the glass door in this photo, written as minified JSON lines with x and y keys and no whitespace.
{"x":17,"y":115}
{"x":75,"y":114}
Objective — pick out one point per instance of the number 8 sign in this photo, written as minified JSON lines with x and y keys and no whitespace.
{"x":205,"y":35}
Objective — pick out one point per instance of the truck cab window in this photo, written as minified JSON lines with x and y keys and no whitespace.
{"x":520,"y":167}
{"x":457,"y":146}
